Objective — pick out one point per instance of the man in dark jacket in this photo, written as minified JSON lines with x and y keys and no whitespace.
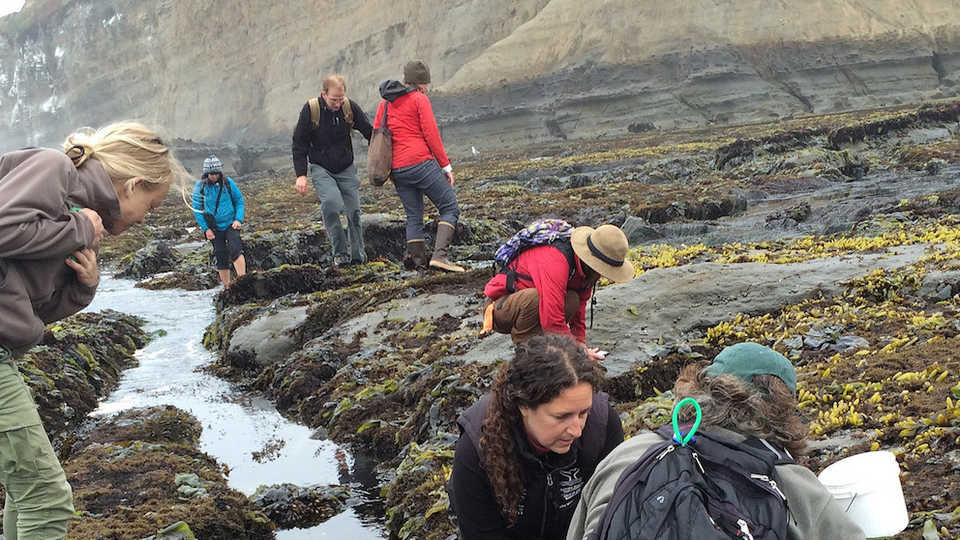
{"x":322,"y":141}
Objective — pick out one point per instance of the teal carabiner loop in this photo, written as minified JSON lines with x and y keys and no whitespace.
{"x":678,"y":436}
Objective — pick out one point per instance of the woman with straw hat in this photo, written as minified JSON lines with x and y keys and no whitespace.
{"x":545,"y":288}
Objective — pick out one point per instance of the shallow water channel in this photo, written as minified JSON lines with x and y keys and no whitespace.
{"x":235,"y":424}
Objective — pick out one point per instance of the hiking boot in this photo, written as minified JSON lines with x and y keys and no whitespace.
{"x":341,"y":260}
{"x":416,"y":256}
{"x":439,"y":259}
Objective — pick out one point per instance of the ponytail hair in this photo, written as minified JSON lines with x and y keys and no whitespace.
{"x":541,"y":370}
{"x":127,"y":150}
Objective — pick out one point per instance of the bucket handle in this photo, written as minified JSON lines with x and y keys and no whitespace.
{"x":852,"y":495}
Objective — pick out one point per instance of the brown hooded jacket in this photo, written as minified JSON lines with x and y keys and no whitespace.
{"x":38,"y":231}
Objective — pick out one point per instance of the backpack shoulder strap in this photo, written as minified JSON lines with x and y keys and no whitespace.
{"x":216,"y":205}
{"x":230,"y":185}
{"x":783,"y":457}
{"x":314,"y":104}
{"x":564,"y":246}
{"x":348,"y":113}
{"x":595,"y":431}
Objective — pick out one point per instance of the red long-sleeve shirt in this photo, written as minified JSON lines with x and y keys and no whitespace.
{"x":415,"y":134}
{"x":549,"y":271}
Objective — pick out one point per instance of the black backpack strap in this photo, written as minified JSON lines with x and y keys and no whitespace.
{"x":233,"y":201}
{"x":216,"y":205}
{"x":631,"y":477}
{"x":564,"y":246}
{"x":783,"y":457}
{"x":595,"y":431}
{"x":512,"y":276}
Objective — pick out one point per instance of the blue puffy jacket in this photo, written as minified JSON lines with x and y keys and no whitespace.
{"x":230,"y":208}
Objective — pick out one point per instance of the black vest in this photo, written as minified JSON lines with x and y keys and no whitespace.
{"x":553,"y":486}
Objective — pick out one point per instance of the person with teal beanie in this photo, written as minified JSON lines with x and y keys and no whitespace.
{"x":748,"y":391}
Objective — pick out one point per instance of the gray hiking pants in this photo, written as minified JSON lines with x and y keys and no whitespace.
{"x":415,"y":181}
{"x":339,"y":193}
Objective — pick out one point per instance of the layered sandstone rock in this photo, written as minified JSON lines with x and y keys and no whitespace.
{"x":506,"y":72}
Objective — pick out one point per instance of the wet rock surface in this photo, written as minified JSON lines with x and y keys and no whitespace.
{"x":292,"y":506}
{"x":154,"y":258}
{"x":634,"y":319}
{"x":78,"y":362}
{"x":138,"y":472}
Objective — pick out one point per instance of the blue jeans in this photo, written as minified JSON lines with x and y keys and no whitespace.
{"x":415,"y":181}
{"x":339,"y":193}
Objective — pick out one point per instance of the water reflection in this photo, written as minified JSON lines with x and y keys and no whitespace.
{"x":245,"y":433}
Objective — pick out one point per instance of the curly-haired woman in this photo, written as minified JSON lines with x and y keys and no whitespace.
{"x":54,"y":208}
{"x":526,"y":450}
{"x":748,"y":390}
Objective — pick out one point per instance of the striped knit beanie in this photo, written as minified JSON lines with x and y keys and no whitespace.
{"x":212,"y":165}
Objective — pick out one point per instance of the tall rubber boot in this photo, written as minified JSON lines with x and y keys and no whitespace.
{"x":439,"y":259}
{"x":416,"y":256}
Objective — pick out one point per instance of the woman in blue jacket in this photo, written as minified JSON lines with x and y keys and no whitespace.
{"x":218,"y":209}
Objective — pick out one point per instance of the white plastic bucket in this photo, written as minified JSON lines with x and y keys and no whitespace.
{"x":867,"y":486}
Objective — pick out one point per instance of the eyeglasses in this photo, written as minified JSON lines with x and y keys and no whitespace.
{"x":334,"y":100}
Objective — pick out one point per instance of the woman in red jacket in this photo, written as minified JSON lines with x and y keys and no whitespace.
{"x":420,"y":164}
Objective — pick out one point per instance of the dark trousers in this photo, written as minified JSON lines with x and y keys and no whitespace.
{"x":415,"y":181}
{"x":226,"y":247}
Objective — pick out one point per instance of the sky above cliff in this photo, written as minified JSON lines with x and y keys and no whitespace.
{"x":9,"y":6}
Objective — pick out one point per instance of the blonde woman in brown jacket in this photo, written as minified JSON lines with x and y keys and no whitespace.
{"x":55,"y":206}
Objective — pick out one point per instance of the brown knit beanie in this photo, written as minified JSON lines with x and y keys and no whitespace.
{"x":416,"y":72}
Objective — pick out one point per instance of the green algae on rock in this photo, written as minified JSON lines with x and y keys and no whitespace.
{"x":78,"y":362}
{"x":291,"y":506}
{"x":128,"y":473}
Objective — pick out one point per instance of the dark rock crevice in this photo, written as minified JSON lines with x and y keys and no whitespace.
{"x":936,"y":61}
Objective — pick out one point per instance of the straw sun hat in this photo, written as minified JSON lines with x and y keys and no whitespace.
{"x":605,"y":250}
